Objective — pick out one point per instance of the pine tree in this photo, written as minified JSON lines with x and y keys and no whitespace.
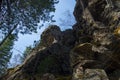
{"x":6,"y":53}
{"x":22,"y":16}
{"x":26,"y":53}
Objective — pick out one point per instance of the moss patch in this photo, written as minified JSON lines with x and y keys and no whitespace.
{"x":48,"y":65}
{"x":69,"y":77}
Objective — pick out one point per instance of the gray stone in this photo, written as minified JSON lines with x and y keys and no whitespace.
{"x":50,"y":36}
{"x":95,"y":74}
{"x":48,"y":76}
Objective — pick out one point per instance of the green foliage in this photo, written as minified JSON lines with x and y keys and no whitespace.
{"x":22,"y":16}
{"x":29,"y":49}
{"x":48,"y":64}
{"x":26,"y":53}
{"x":26,"y":13}
{"x":5,"y":53}
{"x":69,"y":77}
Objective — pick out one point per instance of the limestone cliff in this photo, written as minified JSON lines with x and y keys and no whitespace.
{"x":89,"y":51}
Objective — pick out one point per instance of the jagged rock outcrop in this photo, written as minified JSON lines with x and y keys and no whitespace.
{"x":96,"y":24}
{"x":89,"y":51}
{"x":50,"y":56}
{"x":51,"y":35}
{"x":89,"y":74}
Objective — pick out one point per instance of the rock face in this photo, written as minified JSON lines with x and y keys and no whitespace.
{"x":89,"y":51}
{"x":89,"y":74}
{"x":51,"y":35}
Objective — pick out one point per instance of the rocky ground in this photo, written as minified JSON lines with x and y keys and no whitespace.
{"x":89,"y":51}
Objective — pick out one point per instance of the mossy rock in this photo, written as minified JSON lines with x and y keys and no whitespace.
{"x":117,"y":32}
{"x":48,"y":65}
{"x":85,"y":39}
{"x":69,"y":77}
{"x":81,"y":52}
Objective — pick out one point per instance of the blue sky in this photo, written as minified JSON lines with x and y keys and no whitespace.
{"x":26,"y":40}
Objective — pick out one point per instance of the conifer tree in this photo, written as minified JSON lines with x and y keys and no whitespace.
{"x":6,"y":53}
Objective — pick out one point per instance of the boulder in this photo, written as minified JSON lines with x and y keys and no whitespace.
{"x":48,"y":76}
{"x":82,"y":54}
{"x":89,"y":74}
{"x":95,"y":74}
{"x":50,"y":36}
{"x":78,"y":73}
{"x":68,"y":38}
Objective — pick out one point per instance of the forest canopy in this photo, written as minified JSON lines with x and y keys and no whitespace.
{"x":21,"y":16}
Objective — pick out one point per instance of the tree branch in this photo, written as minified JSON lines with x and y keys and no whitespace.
{"x":10,"y":32}
{"x":0,"y":4}
{"x":8,"y":7}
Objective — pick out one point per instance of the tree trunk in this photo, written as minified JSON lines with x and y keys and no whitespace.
{"x":9,"y":33}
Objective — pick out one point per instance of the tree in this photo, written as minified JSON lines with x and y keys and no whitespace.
{"x":26,"y":53}
{"x":5,"y":53}
{"x":23,"y":15}
{"x":0,"y":4}
{"x":15,"y":61}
